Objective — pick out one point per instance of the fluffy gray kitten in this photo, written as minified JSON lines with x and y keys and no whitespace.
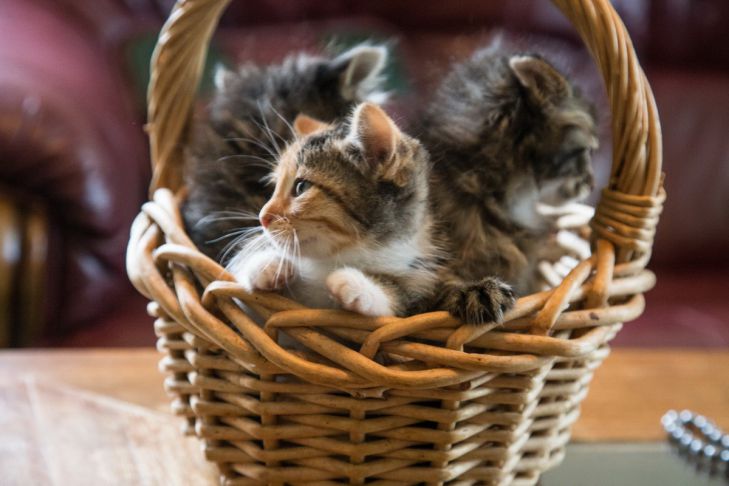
{"x":233,"y":146}
{"x":348,"y":224}
{"x":504,"y":132}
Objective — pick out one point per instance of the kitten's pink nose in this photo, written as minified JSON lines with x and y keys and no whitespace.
{"x":265,"y":218}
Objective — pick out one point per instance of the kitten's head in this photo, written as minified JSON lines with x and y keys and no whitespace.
{"x":559,"y":143}
{"x":324,"y":88}
{"x":516,"y":120}
{"x":358,"y":183}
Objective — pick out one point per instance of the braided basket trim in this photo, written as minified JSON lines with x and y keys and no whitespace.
{"x":508,"y":350}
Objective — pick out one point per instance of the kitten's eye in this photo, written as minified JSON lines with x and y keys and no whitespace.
{"x":300,"y":187}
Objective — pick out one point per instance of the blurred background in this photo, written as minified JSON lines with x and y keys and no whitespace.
{"x":74,"y":166}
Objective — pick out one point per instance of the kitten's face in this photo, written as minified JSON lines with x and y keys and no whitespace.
{"x":560,"y":150}
{"x":343,"y":186}
{"x":568,"y":177}
{"x":304,"y":210}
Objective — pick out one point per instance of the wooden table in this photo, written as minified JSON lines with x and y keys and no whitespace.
{"x":63,"y":411}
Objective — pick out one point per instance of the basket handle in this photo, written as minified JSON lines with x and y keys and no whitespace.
{"x":176,"y":68}
{"x":627,"y":212}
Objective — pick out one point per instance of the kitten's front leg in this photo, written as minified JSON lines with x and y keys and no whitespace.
{"x":265,"y":270}
{"x":357,"y":292}
{"x":479,"y":302}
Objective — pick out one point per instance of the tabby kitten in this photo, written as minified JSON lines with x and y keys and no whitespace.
{"x":348,"y":219}
{"x":233,"y":145}
{"x":505,"y":132}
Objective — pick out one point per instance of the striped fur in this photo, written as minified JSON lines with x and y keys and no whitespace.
{"x":348,"y":224}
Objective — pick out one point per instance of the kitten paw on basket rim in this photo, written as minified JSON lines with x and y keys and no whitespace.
{"x":482,"y":302}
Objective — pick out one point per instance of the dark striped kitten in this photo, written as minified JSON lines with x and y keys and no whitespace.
{"x":348,"y":224}
{"x":505,"y":132}
{"x":233,"y":146}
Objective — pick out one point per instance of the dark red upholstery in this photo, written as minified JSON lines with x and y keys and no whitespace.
{"x":62,"y":75}
{"x":72,"y":140}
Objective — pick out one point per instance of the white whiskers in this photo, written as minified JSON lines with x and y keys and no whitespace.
{"x":228,"y":215}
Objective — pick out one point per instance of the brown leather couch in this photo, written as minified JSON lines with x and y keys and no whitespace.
{"x":74,"y":166}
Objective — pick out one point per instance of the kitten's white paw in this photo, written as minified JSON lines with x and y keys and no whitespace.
{"x":356,"y":292}
{"x":263,"y":271}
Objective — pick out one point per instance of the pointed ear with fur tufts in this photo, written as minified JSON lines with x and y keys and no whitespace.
{"x":543,"y":82}
{"x":378,"y":137}
{"x":305,"y":125}
{"x":360,"y":67}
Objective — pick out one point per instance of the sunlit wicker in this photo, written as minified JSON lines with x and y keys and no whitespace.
{"x":452,"y":404}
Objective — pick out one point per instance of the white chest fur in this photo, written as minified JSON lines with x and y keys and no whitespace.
{"x":394,"y":259}
{"x":522,"y":204}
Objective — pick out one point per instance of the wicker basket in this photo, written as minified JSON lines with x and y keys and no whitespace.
{"x":462,"y":405}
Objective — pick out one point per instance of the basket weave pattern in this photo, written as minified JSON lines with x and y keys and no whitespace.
{"x":411,"y":400}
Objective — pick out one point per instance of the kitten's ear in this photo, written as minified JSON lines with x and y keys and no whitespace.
{"x":360,"y":68}
{"x":305,"y":125}
{"x":543,"y":81}
{"x":378,"y":137}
